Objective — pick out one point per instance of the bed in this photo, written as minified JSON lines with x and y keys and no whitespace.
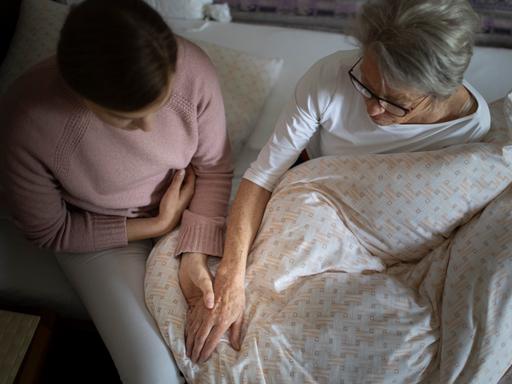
{"x":31,"y":277}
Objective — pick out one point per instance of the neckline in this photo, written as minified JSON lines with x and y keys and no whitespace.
{"x":470,"y":90}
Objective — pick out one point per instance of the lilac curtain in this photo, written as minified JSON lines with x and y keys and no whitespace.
{"x":299,"y":7}
{"x":334,"y":15}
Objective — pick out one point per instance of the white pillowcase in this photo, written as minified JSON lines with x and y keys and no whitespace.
{"x":245,"y":80}
{"x":181,"y":9}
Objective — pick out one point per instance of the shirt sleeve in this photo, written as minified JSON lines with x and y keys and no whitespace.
{"x":203,"y":223}
{"x":44,"y":217}
{"x":297,"y":124}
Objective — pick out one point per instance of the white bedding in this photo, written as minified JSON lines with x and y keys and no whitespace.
{"x":370,"y":268}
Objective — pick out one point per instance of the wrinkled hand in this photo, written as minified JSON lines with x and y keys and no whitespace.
{"x":196,"y":280}
{"x":205,"y":327}
{"x":176,"y":199}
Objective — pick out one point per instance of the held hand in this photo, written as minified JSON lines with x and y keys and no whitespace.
{"x":176,"y":199}
{"x":205,"y":327}
{"x":196,"y":280}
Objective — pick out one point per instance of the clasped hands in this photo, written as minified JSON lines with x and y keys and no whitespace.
{"x":214,"y":306}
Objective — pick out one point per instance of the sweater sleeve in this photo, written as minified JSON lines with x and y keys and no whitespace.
{"x":297,"y":124}
{"x":203,"y":223}
{"x":39,"y":211}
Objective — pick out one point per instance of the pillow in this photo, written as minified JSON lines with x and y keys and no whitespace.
{"x":246,"y":80}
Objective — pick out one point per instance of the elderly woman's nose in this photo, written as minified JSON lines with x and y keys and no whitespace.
{"x":373,"y":107}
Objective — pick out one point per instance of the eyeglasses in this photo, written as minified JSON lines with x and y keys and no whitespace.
{"x":389,"y":106}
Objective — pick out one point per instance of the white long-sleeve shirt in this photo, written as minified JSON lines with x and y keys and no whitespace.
{"x":329,"y":117}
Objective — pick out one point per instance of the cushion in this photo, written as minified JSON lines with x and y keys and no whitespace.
{"x":246,"y":80}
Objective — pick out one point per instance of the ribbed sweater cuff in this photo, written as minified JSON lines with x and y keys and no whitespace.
{"x":109,"y":232}
{"x":200,"y":236}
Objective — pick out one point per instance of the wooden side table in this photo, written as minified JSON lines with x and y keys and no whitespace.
{"x":24,"y":343}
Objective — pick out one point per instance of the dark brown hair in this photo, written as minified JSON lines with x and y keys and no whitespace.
{"x":117,"y":53}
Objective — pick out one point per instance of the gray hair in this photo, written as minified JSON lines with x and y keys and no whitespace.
{"x":420,"y":44}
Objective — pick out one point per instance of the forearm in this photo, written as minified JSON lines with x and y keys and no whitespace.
{"x":203,"y":223}
{"x":147,"y":228}
{"x":243,"y":223}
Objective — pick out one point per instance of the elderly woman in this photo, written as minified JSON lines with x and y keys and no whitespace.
{"x":97,"y":142}
{"x":403,"y":91}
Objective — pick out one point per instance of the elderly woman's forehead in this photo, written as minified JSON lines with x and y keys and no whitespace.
{"x":373,"y":79}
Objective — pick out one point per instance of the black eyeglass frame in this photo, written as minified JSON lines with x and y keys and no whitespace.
{"x":379,"y":99}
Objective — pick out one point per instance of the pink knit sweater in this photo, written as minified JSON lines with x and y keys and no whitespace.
{"x":73,"y":180}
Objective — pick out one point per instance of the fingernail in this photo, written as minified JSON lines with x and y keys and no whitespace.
{"x":181,"y":172}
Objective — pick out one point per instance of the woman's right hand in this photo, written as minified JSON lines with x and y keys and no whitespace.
{"x":176,"y":199}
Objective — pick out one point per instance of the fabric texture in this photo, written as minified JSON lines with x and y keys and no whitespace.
{"x":72,"y":180}
{"x":369,"y":268}
{"x":477,"y":300}
{"x":110,"y":284}
{"x":328,"y":116}
{"x":352,"y":264}
{"x":246,"y":81}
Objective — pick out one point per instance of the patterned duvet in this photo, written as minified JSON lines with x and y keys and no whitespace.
{"x":369,"y":269}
